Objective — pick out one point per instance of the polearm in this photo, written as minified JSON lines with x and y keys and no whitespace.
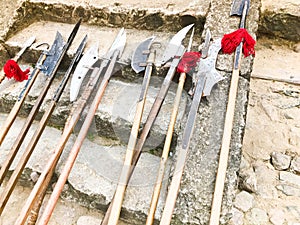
{"x":27,"y":44}
{"x":240,"y":8}
{"x":26,"y":155}
{"x":112,"y":56}
{"x":55,"y":52}
{"x":167,"y":145}
{"x":13,"y":179}
{"x":120,"y":191}
{"x":206,"y":68}
{"x":37,"y":194}
{"x":173,"y":51}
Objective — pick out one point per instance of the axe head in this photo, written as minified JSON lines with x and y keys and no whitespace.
{"x":139,"y":56}
{"x":237,"y":7}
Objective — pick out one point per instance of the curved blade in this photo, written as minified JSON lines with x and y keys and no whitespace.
{"x":85,"y":63}
{"x":174,"y":43}
{"x":139,"y":55}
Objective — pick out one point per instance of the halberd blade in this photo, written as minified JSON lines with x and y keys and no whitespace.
{"x":238,"y":7}
{"x":205,"y":49}
{"x":53,"y":55}
{"x":85,"y":63}
{"x":139,"y":55}
{"x":175,"y":43}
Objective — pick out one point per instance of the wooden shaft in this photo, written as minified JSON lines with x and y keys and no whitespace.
{"x":44,"y":179}
{"x":25,"y":157}
{"x":120,"y":191}
{"x":224,"y":152}
{"x":23,"y":132}
{"x":17,"y":106}
{"x":183,"y":153}
{"x":149,"y":122}
{"x":45,"y":217}
{"x":165,"y":153}
{"x":2,"y":76}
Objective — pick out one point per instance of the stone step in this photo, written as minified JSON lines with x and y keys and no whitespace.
{"x":94,"y":176}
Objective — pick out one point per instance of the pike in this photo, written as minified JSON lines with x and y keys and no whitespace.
{"x":174,"y":52}
{"x":206,"y":70}
{"x":239,"y":8}
{"x":167,"y":145}
{"x":26,"y":45}
{"x":13,"y":179}
{"x":120,"y":191}
{"x":49,"y":68}
{"x":109,"y":61}
{"x":44,"y":121}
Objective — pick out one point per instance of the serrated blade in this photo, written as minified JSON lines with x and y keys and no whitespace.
{"x":175,"y":43}
{"x":85,"y":63}
{"x":139,"y":56}
{"x":237,"y":7}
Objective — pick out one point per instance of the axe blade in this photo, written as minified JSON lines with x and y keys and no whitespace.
{"x":139,"y":55}
{"x":238,"y":7}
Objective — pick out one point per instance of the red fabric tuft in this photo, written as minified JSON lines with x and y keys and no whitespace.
{"x":232,"y":40}
{"x":12,"y":69}
{"x":188,"y":62}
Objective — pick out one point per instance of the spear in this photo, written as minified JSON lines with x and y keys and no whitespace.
{"x":167,"y":145}
{"x":173,"y":51}
{"x":26,"y":155}
{"x":26,"y":45}
{"x":112,"y":57}
{"x":13,"y":179}
{"x":206,"y":68}
{"x":240,"y":8}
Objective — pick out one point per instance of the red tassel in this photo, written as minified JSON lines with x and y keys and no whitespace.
{"x":188,"y":62}
{"x":232,"y":40}
{"x":12,"y":69}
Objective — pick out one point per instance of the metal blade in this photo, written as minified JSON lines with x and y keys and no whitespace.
{"x":27,"y":44}
{"x":204,"y":52}
{"x":238,"y":7}
{"x":85,"y":63}
{"x":53,"y":55}
{"x":174,"y":44}
{"x":139,"y":55}
{"x":119,"y":43}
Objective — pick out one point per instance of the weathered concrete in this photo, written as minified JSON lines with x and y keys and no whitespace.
{"x":194,"y":201}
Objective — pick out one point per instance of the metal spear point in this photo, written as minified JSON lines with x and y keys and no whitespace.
{"x":206,"y":67}
{"x":239,"y":8}
{"x":114,"y":54}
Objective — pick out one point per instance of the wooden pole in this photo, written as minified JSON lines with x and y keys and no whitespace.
{"x":165,"y":153}
{"x":45,"y":217}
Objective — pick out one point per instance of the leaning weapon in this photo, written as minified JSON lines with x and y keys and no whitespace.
{"x":23,"y":216}
{"x":167,"y":144}
{"x":239,"y":8}
{"x":26,"y":45}
{"x":109,"y":61}
{"x":206,"y":68}
{"x":120,"y":191}
{"x":173,"y":52}
{"x":17,"y":172}
{"x":49,"y":66}
{"x":37,"y":194}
